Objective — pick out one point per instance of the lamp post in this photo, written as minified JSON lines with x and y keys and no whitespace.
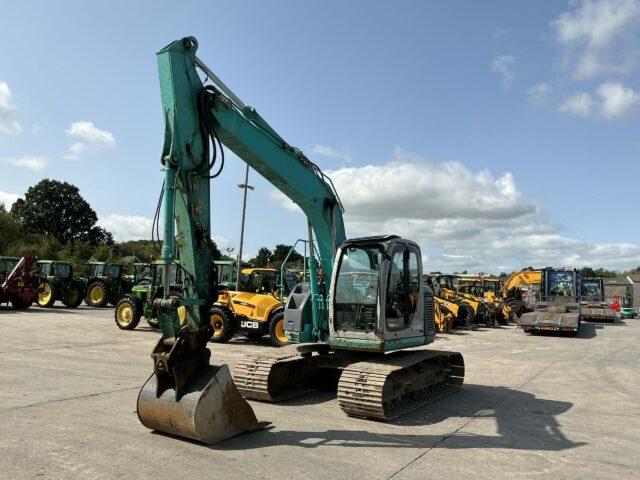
{"x":245,"y":186}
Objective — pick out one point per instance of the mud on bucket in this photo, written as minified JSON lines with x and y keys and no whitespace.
{"x":212,"y":409}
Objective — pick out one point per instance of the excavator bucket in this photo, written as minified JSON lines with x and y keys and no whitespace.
{"x":211,"y":409}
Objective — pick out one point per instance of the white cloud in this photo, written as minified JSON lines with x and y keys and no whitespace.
{"x":580,"y":104}
{"x":599,"y":37}
{"x":222,"y":242}
{"x":537,"y":94}
{"x":31,"y":162}
{"x":332,"y":152}
{"x":613,"y":101}
{"x":500,"y":32}
{"x":7,"y":199}
{"x":504,"y":65}
{"x":92,"y":136}
{"x":462,"y":219}
{"x":127,"y":227}
{"x":617,"y":100}
{"x":9,"y":122}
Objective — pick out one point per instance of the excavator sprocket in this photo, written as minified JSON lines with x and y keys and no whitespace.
{"x":388,"y":387}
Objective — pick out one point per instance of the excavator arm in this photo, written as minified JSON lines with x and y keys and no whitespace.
{"x":200,"y":119}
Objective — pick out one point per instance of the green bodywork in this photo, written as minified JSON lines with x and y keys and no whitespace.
{"x":112,"y":275}
{"x":60,"y":274}
{"x":144,"y":293}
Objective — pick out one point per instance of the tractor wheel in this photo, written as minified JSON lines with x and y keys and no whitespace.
{"x":97,"y":294}
{"x":46,"y":294}
{"x":224,"y":325}
{"x":73,"y":298}
{"x":127,"y":314}
{"x":153,"y":323}
{"x":19,"y":304}
{"x":276,"y":330}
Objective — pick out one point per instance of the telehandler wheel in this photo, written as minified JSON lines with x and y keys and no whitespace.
{"x":127,"y":314}
{"x":73,"y":299}
{"x":97,"y":294}
{"x":224,"y":325}
{"x":46,"y":294}
{"x":276,"y":330}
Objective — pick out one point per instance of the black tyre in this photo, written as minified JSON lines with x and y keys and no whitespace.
{"x":97,"y":294}
{"x":516,"y":309}
{"x":127,"y":313}
{"x":276,"y":330}
{"x":153,"y":323}
{"x":46,"y":294}
{"x":73,"y":297}
{"x":464,"y":319}
{"x":19,"y":304}
{"x":224,"y":325}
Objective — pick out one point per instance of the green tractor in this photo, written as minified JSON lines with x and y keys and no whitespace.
{"x":139,"y":302}
{"x":58,"y":283}
{"x":227,"y":273}
{"x":107,"y":284}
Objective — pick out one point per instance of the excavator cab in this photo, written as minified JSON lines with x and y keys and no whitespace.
{"x":377,"y":300}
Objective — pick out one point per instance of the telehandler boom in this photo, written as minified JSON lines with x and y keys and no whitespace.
{"x":356,"y":316}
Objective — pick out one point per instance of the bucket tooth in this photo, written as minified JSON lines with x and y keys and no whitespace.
{"x":210,"y":410}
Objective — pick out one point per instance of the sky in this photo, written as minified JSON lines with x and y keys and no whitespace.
{"x":497,"y":134}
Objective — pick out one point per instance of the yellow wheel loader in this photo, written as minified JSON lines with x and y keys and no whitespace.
{"x":253,"y":309}
{"x":449,"y":313}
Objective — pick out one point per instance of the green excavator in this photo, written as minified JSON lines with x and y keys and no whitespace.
{"x":364,"y":305}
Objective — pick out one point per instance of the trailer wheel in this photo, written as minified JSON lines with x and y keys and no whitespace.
{"x":19,"y":304}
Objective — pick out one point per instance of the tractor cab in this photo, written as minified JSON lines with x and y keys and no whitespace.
{"x":106,"y":270}
{"x":55,"y":268}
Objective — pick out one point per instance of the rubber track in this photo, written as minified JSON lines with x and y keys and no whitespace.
{"x":362,"y":385}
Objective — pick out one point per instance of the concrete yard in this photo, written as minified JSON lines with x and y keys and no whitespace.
{"x":531,"y":407}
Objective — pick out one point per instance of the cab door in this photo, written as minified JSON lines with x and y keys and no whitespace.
{"x":403,"y":306}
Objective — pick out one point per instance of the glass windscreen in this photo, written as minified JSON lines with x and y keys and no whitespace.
{"x":561,"y":283}
{"x":591,"y":288}
{"x":112,"y":271}
{"x":258,"y":282}
{"x":62,"y":270}
{"x":356,"y":289}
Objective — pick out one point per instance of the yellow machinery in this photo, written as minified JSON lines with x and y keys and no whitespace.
{"x":450,"y":311}
{"x":486,"y":289}
{"x":518,"y":294}
{"x":253,"y":309}
{"x":450,"y":288}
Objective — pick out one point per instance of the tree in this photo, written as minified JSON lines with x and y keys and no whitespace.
{"x":263,"y":259}
{"x":56,"y":208}
{"x":9,"y":229}
{"x":281,"y":251}
{"x":587,"y":272}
